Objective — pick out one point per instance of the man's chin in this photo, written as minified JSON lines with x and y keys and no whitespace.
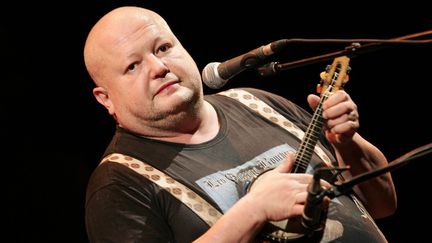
{"x":177,"y":101}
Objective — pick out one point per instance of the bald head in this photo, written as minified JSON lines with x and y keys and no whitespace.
{"x":144,"y":76}
{"x":110,"y":31}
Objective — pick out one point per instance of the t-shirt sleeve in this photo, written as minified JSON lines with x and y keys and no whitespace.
{"x":117,"y":211}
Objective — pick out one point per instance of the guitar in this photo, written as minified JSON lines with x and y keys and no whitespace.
{"x":333,"y":79}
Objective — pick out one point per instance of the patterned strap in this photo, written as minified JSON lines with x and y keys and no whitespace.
{"x":271,"y":114}
{"x":197,"y":204}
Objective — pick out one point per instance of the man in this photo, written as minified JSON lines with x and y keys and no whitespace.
{"x":211,"y":144}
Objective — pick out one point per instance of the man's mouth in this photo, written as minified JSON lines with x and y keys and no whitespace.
{"x":166,"y":86}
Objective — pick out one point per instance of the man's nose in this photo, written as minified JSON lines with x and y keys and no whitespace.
{"x":157,"y":67}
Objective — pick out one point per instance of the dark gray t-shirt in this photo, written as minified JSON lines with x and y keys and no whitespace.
{"x":124,"y":206}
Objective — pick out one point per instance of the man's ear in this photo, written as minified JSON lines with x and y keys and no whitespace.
{"x":103,"y":98}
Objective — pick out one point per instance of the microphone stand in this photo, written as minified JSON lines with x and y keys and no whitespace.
{"x":351,"y":51}
{"x":314,"y":214}
{"x":338,"y":190}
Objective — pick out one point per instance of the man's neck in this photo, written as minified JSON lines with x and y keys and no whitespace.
{"x":195,"y":129}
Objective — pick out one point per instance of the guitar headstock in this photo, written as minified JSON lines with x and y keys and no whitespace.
{"x":336,"y":75}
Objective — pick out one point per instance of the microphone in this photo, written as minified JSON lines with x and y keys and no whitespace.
{"x":216,"y":74}
{"x":314,"y":213}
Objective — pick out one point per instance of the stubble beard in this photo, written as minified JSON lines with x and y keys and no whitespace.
{"x":172,"y":118}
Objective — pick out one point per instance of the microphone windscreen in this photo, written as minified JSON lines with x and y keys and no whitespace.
{"x":210,"y":76}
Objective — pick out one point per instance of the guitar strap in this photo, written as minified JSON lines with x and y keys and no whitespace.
{"x":196,"y":203}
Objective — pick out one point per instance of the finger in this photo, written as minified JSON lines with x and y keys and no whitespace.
{"x":313,"y":101}
{"x":300,"y":198}
{"x":325,"y":184}
{"x":299,"y":181}
{"x":297,"y":210}
{"x":287,"y":164}
{"x":351,"y":117}
{"x":330,"y":123}
{"x":346,"y":107}
{"x":336,"y":98}
{"x":347,"y":128}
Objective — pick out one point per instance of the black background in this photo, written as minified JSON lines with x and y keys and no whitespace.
{"x":54,"y":130}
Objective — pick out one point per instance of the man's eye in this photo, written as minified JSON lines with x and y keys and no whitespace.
{"x":131,"y":67}
{"x":164,"y":48}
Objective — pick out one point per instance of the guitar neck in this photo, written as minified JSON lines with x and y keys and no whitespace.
{"x":310,"y":139}
{"x":332,"y":80}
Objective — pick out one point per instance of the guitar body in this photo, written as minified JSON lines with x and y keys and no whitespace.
{"x":292,"y":230}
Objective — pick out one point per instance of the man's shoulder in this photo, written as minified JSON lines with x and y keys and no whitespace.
{"x":107,"y":173}
{"x":112,"y":178}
